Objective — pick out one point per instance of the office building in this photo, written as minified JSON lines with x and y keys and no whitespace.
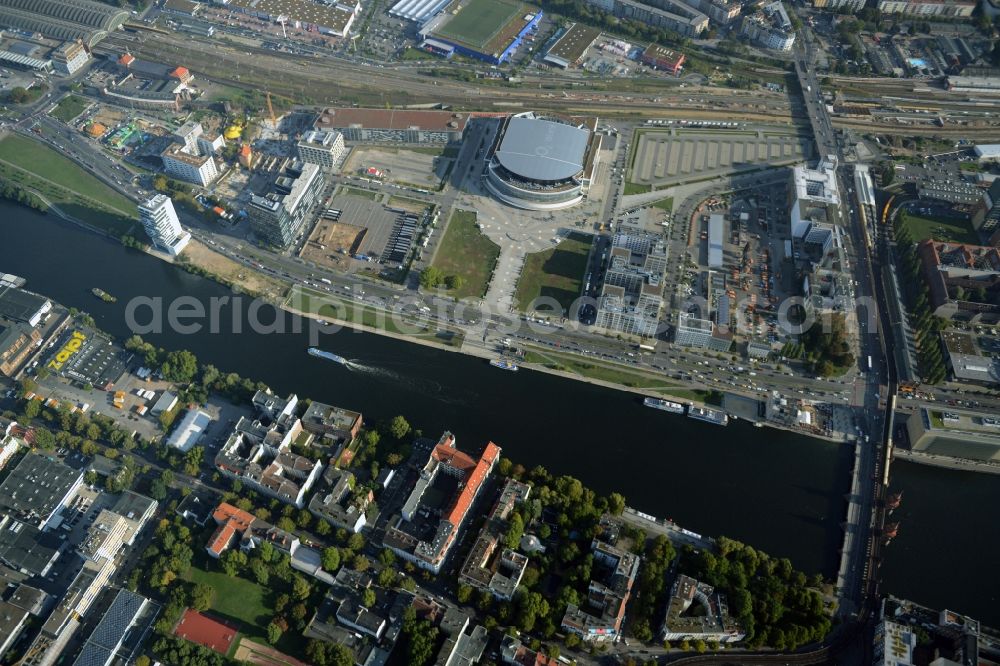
{"x":709,"y":622}
{"x":929,"y":8}
{"x":193,"y":168}
{"x":160,"y":221}
{"x":260,"y":455}
{"x":394,"y":126}
{"x":631,"y":295}
{"x":849,"y":5}
{"x":894,"y":644}
{"x":129,"y":612}
{"x":701,"y":333}
{"x":770,"y":27}
{"x":278,"y":215}
{"x":490,"y":565}
{"x":18,"y":604}
{"x":423,"y":534}
{"x":70,"y":57}
{"x":986,"y":216}
{"x":672,"y":15}
{"x":599,"y":617}
{"x":338,"y":503}
{"x":813,"y":196}
{"x":323,"y":148}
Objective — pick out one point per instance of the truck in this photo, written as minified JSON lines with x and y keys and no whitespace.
{"x":869,"y":362}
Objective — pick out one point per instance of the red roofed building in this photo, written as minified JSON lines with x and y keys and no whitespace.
{"x":126,"y":59}
{"x":237,"y":526}
{"x":181,"y":74}
{"x":445,"y":458}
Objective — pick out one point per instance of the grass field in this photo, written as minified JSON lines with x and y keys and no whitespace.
{"x":367,"y":194}
{"x":65,"y":184}
{"x":468,"y":253}
{"x":556,"y":272}
{"x":943,"y":229}
{"x":69,"y":108}
{"x":636,"y":188}
{"x":237,"y":599}
{"x":479,"y":21}
{"x":665,"y":204}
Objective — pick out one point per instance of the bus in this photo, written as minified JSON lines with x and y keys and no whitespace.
{"x":646,"y":348}
{"x":325,"y":281}
{"x":869,"y":362}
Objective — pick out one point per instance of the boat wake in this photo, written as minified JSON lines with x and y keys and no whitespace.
{"x":428,"y":387}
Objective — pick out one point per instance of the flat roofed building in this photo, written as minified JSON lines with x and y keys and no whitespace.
{"x":418,"y":11}
{"x":599,"y":617}
{"x":894,"y":644}
{"x":569,"y":49}
{"x":25,"y":548}
{"x":37,"y":488}
{"x":323,"y":419}
{"x":198,"y":169}
{"x":323,"y":148}
{"x":715,"y":242}
{"x":278,"y":215}
{"x":334,"y":18}
{"x":394,"y":126}
{"x":17,"y":342}
{"x":662,"y":58}
{"x":709,"y":622}
{"x":631,"y":297}
{"x":23,"y":306}
{"x":109,"y":635}
{"x":946,"y":8}
{"x":670,"y":14}
{"x":694,"y":332}
{"x":189,"y":431}
{"x":338,"y":504}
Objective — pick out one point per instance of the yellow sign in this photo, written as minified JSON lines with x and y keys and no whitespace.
{"x":71,"y":347}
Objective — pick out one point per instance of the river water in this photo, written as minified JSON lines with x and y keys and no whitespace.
{"x":777,"y":491}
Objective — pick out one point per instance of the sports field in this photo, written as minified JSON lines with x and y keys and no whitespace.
{"x":480,"y":21}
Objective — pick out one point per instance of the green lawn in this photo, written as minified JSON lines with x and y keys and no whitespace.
{"x":237,"y":599}
{"x":942,"y":229}
{"x":367,"y":194}
{"x":477,"y":23}
{"x":557,"y":272}
{"x":69,"y":108}
{"x":61,"y":181}
{"x":665,"y":204}
{"x":466,"y":252}
{"x":637,"y":188}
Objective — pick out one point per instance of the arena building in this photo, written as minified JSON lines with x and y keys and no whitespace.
{"x":543,"y":162}
{"x":63,"y":19}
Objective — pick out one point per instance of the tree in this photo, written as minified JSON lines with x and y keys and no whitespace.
{"x":356,"y":542}
{"x":399,"y":427}
{"x":260,"y":571}
{"x":454,"y":282}
{"x":180,"y":366}
{"x":387,"y":557}
{"x":301,"y":589}
{"x":331,"y":559}
{"x":201,"y":597}
{"x":273,"y":633}
{"x":19,"y":95}
{"x":360,"y":563}
{"x":233,"y":561}
{"x":368,"y":597}
{"x":616,"y":504}
{"x":463,"y":594}
{"x":32,"y":409}
{"x":515,"y":530}
{"x":387,"y":577}
{"x":431,"y":277}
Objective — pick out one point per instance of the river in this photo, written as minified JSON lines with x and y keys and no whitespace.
{"x":777,"y":491}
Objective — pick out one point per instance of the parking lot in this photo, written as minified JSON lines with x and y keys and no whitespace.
{"x":422,"y":168}
{"x":363,"y":228}
{"x":675,"y":154}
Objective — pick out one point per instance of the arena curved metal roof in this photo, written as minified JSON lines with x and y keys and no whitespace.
{"x":541,"y":149}
{"x":63,"y":19}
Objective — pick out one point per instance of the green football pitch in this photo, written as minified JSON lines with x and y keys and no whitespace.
{"x":479,"y":21}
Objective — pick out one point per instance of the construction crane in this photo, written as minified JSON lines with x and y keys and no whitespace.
{"x":270,"y":110}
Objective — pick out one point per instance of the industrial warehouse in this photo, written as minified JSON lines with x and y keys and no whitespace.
{"x":543,"y":162}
